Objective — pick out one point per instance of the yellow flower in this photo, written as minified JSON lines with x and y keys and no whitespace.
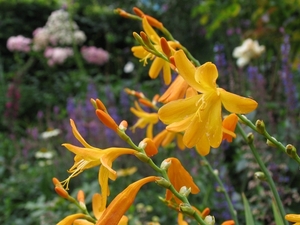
{"x":158,"y":64}
{"x":200,"y":115}
{"x":88,"y":156}
{"x":165,"y":137}
{"x":179,"y":177}
{"x":145,"y":119}
{"x":122,"y":202}
{"x":294,"y":218}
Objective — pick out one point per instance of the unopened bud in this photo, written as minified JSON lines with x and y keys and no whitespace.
{"x":270,"y":143}
{"x":123,"y":125}
{"x":165,"y":47}
{"x":93,"y":101}
{"x":260,"y":176}
{"x":166,"y":164}
{"x":210,"y":220}
{"x":142,"y":157}
{"x":61,"y":192}
{"x":163,"y":183}
{"x":205,"y":212}
{"x":250,"y":138}
{"x":185,"y":191}
{"x":291,"y":150}
{"x":149,"y":146}
{"x":260,"y":126}
{"x":138,"y":38}
{"x":100,"y":105}
{"x":187,"y":209}
{"x":107,"y":120}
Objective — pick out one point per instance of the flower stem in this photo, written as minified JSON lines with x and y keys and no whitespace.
{"x":230,"y":205}
{"x":265,"y":171}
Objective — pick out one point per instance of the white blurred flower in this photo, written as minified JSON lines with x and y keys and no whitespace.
{"x":49,"y":134}
{"x":248,"y":50}
{"x":129,"y":67}
{"x":43,"y":155}
{"x":210,"y":220}
{"x":40,"y":38}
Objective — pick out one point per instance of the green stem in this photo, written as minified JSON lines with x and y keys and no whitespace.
{"x":230,"y":205}
{"x":265,"y":171}
{"x":276,"y":143}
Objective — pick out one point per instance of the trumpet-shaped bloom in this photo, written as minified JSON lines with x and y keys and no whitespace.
{"x":158,"y":64}
{"x":200,"y":115}
{"x":294,"y":218}
{"x":145,"y":119}
{"x":87,"y":157}
{"x":179,"y":177}
{"x":117,"y":208}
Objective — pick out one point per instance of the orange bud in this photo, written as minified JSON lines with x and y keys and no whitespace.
{"x":172,"y":60}
{"x":122,"y":13}
{"x":229,"y":124}
{"x":228,"y":222}
{"x":205,"y":212}
{"x":150,"y":148}
{"x":61,"y":192}
{"x":154,"y":22}
{"x":146,"y":40}
{"x":80,"y":196}
{"x":107,"y":120}
{"x":165,"y":46}
{"x":56,"y":182}
{"x":123,"y":125}
{"x":100,"y":105}
{"x":146,"y":102}
{"x":138,"y":12}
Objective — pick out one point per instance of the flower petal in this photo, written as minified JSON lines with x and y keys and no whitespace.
{"x":203,"y":146}
{"x":70,"y":219}
{"x":186,"y":69}
{"x":237,"y":104}
{"x":206,"y":75}
{"x":150,"y":31}
{"x":177,"y":110}
{"x":156,"y":67}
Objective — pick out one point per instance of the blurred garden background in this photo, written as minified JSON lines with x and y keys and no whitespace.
{"x":55,"y":55}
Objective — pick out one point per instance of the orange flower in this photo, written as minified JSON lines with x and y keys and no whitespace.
{"x":228,"y":222}
{"x":117,"y":208}
{"x":229,"y":124}
{"x":88,"y":156}
{"x":179,"y":177}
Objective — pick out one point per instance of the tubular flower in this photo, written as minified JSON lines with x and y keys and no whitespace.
{"x":294,"y":218}
{"x":229,"y":124}
{"x":165,"y":137}
{"x":145,"y":119}
{"x":179,"y":177}
{"x":200,"y":115}
{"x":175,"y":91}
{"x":158,"y":63}
{"x":87,"y":157}
{"x":117,"y":208}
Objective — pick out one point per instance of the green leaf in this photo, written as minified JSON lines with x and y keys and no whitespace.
{"x":278,"y":219}
{"x":248,"y":213}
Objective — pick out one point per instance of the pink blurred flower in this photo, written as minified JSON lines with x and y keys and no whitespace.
{"x":18,"y":43}
{"x":94,"y":55}
{"x":57,"y":55}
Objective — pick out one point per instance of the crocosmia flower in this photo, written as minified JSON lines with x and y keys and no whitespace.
{"x":294,"y":218}
{"x":199,"y":116}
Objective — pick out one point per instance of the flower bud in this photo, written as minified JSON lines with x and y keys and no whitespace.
{"x":61,"y":192}
{"x":260,"y":175}
{"x":149,"y":146}
{"x":270,"y":143}
{"x":187,"y":209}
{"x":260,"y":126}
{"x":123,"y":125}
{"x":250,"y":138}
{"x":210,"y":220}
{"x":107,"y":120}
{"x":165,"y":164}
{"x":163,"y":183}
{"x":185,"y":191}
{"x":291,"y":150}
